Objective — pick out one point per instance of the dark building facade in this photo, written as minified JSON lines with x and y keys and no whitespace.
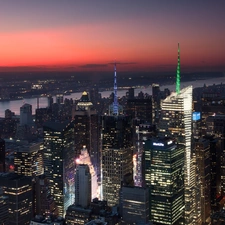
{"x":2,"y":155}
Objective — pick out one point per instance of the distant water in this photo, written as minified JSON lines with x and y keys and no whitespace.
{"x":15,"y":105}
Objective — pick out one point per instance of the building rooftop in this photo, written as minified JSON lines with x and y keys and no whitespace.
{"x":49,"y":220}
{"x":57,"y":126}
{"x":12,"y":176}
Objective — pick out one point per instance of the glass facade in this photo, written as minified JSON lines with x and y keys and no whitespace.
{"x":176,"y":121}
{"x":59,"y":162}
{"x":117,"y":155}
{"x":165,"y":178}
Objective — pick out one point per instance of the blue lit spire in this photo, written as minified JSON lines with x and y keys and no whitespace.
{"x":115,"y":102}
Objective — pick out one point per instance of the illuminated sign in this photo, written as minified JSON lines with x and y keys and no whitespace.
{"x":196,"y":116}
{"x":158,"y":144}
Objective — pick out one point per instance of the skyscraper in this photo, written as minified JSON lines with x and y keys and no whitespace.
{"x":82,"y":186}
{"x":155,"y":103}
{"x":176,"y":121}
{"x":28,"y":160}
{"x":135,"y":205}
{"x":4,"y":214}
{"x":26,"y":114}
{"x":117,"y":150}
{"x":44,"y":202}
{"x":117,"y":155}
{"x":59,"y":162}
{"x":2,"y":155}
{"x":164,"y":162}
{"x":18,"y":189}
{"x":202,"y":150}
{"x":86,"y":126}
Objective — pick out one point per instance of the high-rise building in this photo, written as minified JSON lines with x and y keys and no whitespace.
{"x":59,"y":162}
{"x":176,"y":121}
{"x":140,"y":108}
{"x":4,"y":215}
{"x":82,"y":186}
{"x":85,"y":158}
{"x":117,"y":150}
{"x":87,"y":132}
{"x":155,"y":103}
{"x":215,"y":173}
{"x":202,"y":151}
{"x":28,"y":160}
{"x":130,"y":93}
{"x":59,"y":98}
{"x":117,"y":155}
{"x":143,"y":131}
{"x":26,"y":114}
{"x":18,"y":189}
{"x":216,"y":126}
{"x":2,"y":155}
{"x":44,"y":202}
{"x":164,"y":176}
{"x":134,"y":204}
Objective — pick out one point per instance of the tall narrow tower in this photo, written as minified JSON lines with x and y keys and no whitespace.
{"x":178,"y":72}
{"x":115,"y":102}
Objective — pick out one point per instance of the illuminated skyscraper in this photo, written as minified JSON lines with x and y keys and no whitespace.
{"x":86,"y":126}
{"x":117,"y":155}
{"x":202,"y":149}
{"x":164,"y":176}
{"x":117,"y":150}
{"x":44,"y":202}
{"x":28,"y":160}
{"x":155,"y":103}
{"x":59,"y":162}
{"x":4,"y":214}
{"x":18,"y":189}
{"x":176,"y":121}
{"x":85,"y":158}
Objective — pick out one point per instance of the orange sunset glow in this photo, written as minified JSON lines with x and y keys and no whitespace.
{"x":137,"y":38}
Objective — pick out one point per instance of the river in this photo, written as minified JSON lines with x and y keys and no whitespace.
{"x":15,"y":105}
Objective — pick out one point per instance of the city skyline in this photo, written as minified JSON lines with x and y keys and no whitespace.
{"x":90,"y":36}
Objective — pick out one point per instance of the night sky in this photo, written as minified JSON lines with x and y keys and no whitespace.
{"x":86,"y":35}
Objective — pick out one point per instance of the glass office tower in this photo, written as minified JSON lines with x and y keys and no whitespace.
{"x":176,"y":121}
{"x":117,"y":158}
{"x":164,"y":162}
{"x":59,"y":162}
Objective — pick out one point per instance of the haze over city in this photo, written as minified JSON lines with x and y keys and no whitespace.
{"x":141,"y":36}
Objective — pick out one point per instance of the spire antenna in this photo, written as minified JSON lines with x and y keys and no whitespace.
{"x":115,"y":102}
{"x":178,"y":72}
